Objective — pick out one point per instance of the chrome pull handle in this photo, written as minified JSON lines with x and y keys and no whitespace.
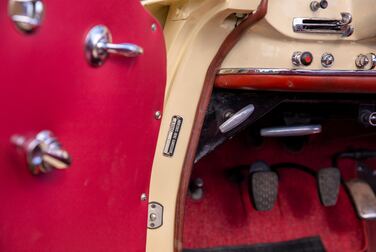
{"x":44,"y":152}
{"x":98,"y":46}
{"x":238,"y":118}
{"x":291,"y":131}
{"x":327,"y":26}
{"x":126,"y":49}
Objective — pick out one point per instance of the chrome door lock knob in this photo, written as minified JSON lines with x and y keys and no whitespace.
{"x":302,"y":58}
{"x":315,"y":5}
{"x":327,"y":60}
{"x":98,"y":46}
{"x":27,"y":15}
{"x":44,"y":152}
{"x":366,"y":61}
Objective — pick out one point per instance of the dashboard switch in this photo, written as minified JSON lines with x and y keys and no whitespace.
{"x":366,"y":61}
{"x":327,"y":60}
{"x":302,"y":58}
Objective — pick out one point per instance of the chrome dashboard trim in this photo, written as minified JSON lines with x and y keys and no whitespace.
{"x":285,"y":71}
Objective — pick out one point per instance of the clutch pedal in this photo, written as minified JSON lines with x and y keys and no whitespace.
{"x":329,"y":182}
{"x":363,"y":198}
{"x":263,"y":186}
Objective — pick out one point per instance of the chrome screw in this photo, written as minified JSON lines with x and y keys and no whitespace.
{"x":143,"y":197}
{"x":158,"y":115}
{"x":154,"y":27}
{"x":153,"y":217}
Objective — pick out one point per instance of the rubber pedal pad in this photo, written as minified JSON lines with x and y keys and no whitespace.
{"x":263,"y":187}
{"x":329,"y":182}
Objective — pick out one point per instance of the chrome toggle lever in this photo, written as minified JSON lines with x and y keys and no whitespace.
{"x":236,"y":119}
{"x":99,"y":44}
{"x":324,"y":25}
{"x":43,"y":152}
{"x":291,"y":131}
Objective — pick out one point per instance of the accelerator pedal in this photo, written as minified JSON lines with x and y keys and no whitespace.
{"x":363,"y":198}
{"x":263,"y":186}
{"x":329,"y":182}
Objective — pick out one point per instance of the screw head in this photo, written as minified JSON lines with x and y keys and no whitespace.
{"x":153,"y":217}
{"x":158,"y":115}
{"x":154,"y":27}
{"x":143,"y":197}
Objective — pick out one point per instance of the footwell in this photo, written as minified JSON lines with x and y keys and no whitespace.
{"x":311,"y":244}
{"x":226,"y":217}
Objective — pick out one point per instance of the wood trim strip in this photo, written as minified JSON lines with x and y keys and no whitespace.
{"x":298,"y":83}
{"x":214,"y":66}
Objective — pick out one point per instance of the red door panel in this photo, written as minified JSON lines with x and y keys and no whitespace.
{"x":103,"y":116}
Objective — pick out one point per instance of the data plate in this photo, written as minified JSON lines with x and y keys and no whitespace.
{"x":172,"y":136}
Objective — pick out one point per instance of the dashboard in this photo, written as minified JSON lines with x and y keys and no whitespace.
{"x":333,"y":41}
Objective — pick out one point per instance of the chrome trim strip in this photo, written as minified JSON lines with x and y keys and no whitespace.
{"x":285,"y":71}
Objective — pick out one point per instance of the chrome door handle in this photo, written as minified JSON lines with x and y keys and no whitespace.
{"x":43,"y":152}
{"x":98,"y":45}
{"x":126,"y":49}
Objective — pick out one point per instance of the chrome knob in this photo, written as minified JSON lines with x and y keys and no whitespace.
{"x":366,"y":61}
{"x":327,"y":60}
{"x":315,"y":5}
{"x":26,"y":14}
{"x":368,"y":118}
{"x":302,"y":58}
{"x":43,"y":152}
{"x":98,"y":45}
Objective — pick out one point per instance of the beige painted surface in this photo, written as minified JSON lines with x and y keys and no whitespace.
{"x":194,"y":30}
{"x":271,"y":43}
{"x":265,"y":47}
{"x":194,"y":33}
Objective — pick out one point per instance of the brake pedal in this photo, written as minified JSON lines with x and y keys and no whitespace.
{"x":263,"y":186}
{"x":363,"y":198}
{"x":329,"y":182}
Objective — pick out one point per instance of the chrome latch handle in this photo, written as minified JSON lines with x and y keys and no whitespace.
{"x":327,"y":26}
{"x":236,"y":119}
{"x":98,"y":46}
{"x":44,"y":152}
{"x":126,"y":49}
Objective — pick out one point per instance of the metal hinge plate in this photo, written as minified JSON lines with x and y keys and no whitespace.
{"x":155,"y":215}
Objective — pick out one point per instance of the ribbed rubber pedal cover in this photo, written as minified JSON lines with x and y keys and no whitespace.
{"x":329,"y":182}
{"x":264,"y":190}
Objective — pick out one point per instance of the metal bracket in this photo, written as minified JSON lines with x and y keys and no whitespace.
{"x":155,"y":215}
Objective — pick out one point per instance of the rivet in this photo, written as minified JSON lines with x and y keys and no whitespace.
{"x":154,"y":27}
{"x":143,"y":197}
{"x":153,"y":217}
{"x":158,"y":115}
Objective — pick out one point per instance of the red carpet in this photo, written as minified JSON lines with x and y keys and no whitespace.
{"x":225,"y":217}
